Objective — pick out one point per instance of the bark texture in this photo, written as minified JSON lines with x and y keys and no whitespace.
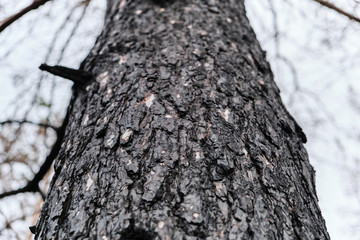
{"x":182,"y":135}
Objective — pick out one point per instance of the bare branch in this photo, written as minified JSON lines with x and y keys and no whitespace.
{"x":77,"y":76}
{"x":28,"y":122}
{"x":9,"y":20}
{"x":33,"y":185}
{"x":339,"y":10}
{"x":278,"y":53}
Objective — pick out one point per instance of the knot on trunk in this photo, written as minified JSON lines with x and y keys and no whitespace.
{"x":132,"y":233}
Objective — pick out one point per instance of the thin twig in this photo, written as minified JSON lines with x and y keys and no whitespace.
{"x":85,"y":5}
{"x":278,"y":53}
{"x":339,"y":10}
{"x":50,"y":50}
{"x":33,"y":185}
{"x":9,"y":20}
{"x":45,"y":125}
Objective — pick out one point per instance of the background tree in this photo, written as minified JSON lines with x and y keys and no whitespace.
{"x":60,"y":32}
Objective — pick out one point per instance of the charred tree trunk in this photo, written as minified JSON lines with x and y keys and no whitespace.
{"x":181,"y":135}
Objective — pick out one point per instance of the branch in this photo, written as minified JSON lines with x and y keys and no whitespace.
{"x":28,"y":188}
{"x":33,"y":185}
{"x":339,"y":10}
{"x":77,"y":76}
{"x":29,"y":122}
{"x":9,"y":20}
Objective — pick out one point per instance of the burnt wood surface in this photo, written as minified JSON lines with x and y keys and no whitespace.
{"x":181,"y":135}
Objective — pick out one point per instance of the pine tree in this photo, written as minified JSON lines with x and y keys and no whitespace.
{"x":180,"y":134}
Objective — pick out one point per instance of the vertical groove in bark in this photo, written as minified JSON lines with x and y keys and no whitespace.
{"x":183,"y":135}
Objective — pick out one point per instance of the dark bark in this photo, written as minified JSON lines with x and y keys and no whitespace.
{"x":182,"y":135}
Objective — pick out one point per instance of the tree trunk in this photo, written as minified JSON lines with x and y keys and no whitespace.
{"x":181,"y":135}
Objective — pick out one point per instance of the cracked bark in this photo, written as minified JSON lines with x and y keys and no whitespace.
{"x":182,"y":135}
